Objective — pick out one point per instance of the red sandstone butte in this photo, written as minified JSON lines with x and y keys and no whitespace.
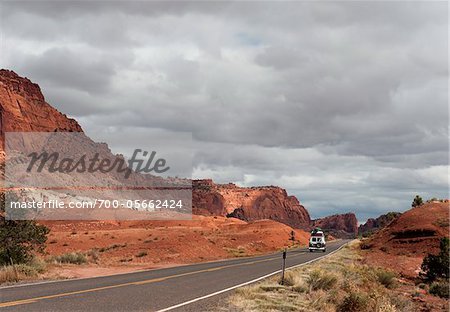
{"x":248,"y":203}
{"x":340,"y":225}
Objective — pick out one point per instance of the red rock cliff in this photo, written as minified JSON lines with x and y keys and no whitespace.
{"x":340,"y":225}
{"x":23,"y":108}
{"x":254,"y":203}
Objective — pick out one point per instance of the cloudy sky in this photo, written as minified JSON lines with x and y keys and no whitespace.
{"x":344,"y":104}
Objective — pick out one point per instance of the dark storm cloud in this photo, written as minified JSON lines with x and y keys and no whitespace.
{"x":335,"y":99}
{"x":61,"y":67}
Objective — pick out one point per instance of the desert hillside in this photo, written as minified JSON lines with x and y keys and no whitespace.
{"x":402,"y":245}
{"x":147,"y":244}
{"x":375,"y":224}
{"x":415,"y":232}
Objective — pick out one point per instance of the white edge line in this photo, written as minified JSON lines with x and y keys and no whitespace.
{"x":131,"y":272}
{"x":247,"y":283}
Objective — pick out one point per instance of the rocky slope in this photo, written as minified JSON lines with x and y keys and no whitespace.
{"x":374,"y":224}
{"x":23,"y":108}
{"x":248,"y":204}
{"x":339,"y":225}
{"x":415,"y":232}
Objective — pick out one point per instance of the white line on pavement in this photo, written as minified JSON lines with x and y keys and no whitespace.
{"x":246,"y":283}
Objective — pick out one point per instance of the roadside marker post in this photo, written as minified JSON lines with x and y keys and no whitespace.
{"x":283,"y":267}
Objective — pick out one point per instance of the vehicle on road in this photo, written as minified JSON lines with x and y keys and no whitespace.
{"x":317,"y":240}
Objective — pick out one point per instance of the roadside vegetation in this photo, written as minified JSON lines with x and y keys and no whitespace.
{"x":436,"y":270}
{"x":20,"y":241}
{"x":340,"y":282}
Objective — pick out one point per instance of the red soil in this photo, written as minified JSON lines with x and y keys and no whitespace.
{"x":416,"y":232}
{"x":164,"y":242}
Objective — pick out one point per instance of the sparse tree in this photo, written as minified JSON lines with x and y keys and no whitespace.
{"x":418,"y":201}
{"x":437,"y":266}
{"x":19,"y":238}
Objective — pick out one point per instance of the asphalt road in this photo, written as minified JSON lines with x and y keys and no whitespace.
{"x":152,"y":290}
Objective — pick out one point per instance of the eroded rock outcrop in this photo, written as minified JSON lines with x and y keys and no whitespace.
{"x":23,"y":108}
{"x":375,"y":224}
{"x":339,"y":225}
{"x":248,"y":203}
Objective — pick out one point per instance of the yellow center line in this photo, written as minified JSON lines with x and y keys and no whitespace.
{"x":153,"y":280}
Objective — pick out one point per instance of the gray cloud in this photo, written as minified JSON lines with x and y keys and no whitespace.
{"x":344,"y":103}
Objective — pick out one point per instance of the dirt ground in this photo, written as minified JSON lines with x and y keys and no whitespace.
{"x":118,"y":247}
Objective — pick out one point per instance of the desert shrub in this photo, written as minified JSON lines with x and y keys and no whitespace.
{"x":14,"y":273}
{"x":440,"y":288}
{"x":94,"y":254}
{"x":300,"y":288}
{"x":354,"y":302}
{"x":8,"y":274}
{"x":112,"y":247}
{"x":26,"y":270}
{"x":422,"y":286}
{"x":71,"y":257}
{"x":437,"y":266}
{"x":387,"y":307}
{"x":386,"y":278}
{"x":142,"y":254}
{"x":318,"y":280}
{"x":290,"y":279}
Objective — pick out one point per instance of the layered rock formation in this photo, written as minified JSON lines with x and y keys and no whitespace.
{"x":249,"y":204}
{"x":23,"y":108}
{"x":375,"y":224}
{"x":339,"y":225}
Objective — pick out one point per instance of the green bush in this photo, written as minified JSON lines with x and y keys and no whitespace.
{"x":318,"y":280}
{"x":437,"y":266}
{"x":19,"y":238}
{"x":440,"y":288}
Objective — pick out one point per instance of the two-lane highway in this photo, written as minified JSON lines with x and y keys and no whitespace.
{"x":182,"y":288}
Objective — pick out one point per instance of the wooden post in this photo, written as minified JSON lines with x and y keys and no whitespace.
{"x":283,"y":267}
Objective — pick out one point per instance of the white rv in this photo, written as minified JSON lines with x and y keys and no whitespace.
{"x":317,"y":240}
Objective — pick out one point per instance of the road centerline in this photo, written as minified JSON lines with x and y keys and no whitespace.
{"x":137,"y":283}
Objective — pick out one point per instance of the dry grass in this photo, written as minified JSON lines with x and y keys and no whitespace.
{"x":18,"y":272}
{"x":339,"y":282}
{"x":71,"y":257}
{"x":237,"y":252}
